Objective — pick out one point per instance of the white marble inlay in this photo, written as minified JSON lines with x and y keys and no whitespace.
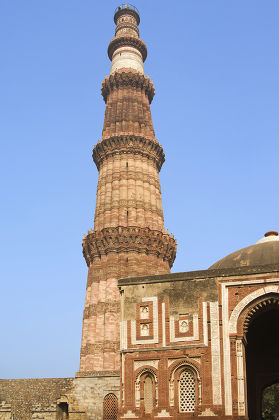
{"x":240,"y":378}
{"x":195,"y":335}
{"x":164,"y":323}
{"x":123,"y":335}
{"x":205,"y":329}
{"x":146,"y":363}
{"x":183,"y":326}
{"x":130,"y":415}
{"x":215,"y":353}
{"x":123,"y":378}
{"x":144,"y":312}
{"x":207,"y":413}
{"x":127,"y":57}
{"x":226,"y":352}
{"x":137,"y":392}
{"x":163,"y":413}
{"x":154,"y":340}
{"x":144,"y":330}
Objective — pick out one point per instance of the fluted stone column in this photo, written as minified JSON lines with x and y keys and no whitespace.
{"x":129,"y":238}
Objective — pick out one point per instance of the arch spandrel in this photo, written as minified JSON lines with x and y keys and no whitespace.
{"x":145,"y":370}
{"x":174,"y":372}
{"x":242,"y":309}
{"x":140,"y":391}
{"x":186,"y":362}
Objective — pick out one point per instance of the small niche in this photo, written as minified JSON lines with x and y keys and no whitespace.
{"x":62,"y":411}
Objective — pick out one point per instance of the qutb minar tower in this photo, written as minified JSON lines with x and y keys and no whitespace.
{"x":129,"y":238}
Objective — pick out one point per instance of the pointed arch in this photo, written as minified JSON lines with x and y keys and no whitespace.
{"x":184,"y":386}
{"x":146,"y":390}
{"x":246,"y":303}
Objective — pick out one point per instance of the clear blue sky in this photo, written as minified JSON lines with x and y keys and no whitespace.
{"x":215,"y":66}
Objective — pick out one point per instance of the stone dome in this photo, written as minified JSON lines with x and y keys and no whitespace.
{"x":265,"y":251}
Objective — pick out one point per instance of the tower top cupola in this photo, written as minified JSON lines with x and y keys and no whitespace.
{"x":125,"y":9}
{"x":126,"y":49}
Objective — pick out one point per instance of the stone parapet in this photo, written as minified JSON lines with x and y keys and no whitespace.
{"x":126,"y":78}
{"x":124,"y":10}
{"x":129,"y":144}
{"x":218,"y":274}
{"x":98,"y":373}
{"x":129,"y":239}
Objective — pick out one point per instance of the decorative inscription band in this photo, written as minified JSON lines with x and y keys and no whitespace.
{"x":129,"y":239}
{"x":125,"y":144}
{"x":101,"y":307}
{"x":127,"y":78}
{"x":111,"y":346}
{"x":85,"y":373}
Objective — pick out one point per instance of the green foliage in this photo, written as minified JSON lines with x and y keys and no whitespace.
{"x":270,"y":402}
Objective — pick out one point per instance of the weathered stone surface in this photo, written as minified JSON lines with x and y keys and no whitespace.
{"x":26,"y":399}
{"x":28,"y":396}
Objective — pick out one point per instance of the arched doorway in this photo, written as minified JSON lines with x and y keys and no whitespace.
{"x":62,"y":411}
{"x":262,"y":352}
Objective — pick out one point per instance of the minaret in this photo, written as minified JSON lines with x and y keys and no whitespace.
{"x":129,"y":238}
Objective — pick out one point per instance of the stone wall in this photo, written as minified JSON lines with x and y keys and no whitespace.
{"x":88,"y":395}
{"x":24,"y":399}
{"x":5,"y":410}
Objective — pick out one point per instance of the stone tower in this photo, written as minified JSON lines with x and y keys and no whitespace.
{"x":129,"y":238}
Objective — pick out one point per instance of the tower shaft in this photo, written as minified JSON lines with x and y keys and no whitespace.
{"x":128,"y":238}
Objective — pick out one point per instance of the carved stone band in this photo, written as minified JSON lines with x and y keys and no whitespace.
{"x":149,"y":148}
{"x":124,"y":41}
{"x":94,"y":373}
{"x":125,"y":78}
{"x":100,"y":307}
{"x":111,"y":346}
{"x":129,"y":239}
